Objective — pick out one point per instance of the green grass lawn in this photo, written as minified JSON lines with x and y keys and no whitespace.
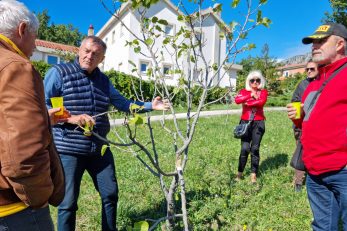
{"x":215,"y":200}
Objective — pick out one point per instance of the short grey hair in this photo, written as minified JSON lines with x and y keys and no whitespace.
{"x":96,"y":40}
{"x":13,"y":13}
{"x":252,"y":75}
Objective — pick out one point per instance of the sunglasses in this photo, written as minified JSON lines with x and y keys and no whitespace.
{"x":254,"y":80}
{"x":310,"y":69}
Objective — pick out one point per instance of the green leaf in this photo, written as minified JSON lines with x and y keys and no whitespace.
{"x":103,"y":149}
{"x":166,"y":40}
{"x":262,"y":1}
{"x":134,"y":107}
{"x":215,"y":66}
{"x":137,"y":49}
{"x":149,"y":41}
{"x":177,"y":197}
{"x":137,"y":120}
{"x":243,"y":35}
{"x":132,"y":63}
{"x":158,"y":28}
{"x":154,"y":19}
{"x":266,"y":22}
{"x":180,"y":18}
{"x":163,"y":22}
{"x":141,"y":226}
{"x":235,"y":3}
{"x":192,"y":59}
{"x":259,"y":15}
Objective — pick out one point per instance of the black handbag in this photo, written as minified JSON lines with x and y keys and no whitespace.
{"x":241,"y":130}
{"x":296,"y":161}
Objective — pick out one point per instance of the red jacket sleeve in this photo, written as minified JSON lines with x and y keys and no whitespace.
{"x":243,"y":96}
{"x":260,"y":102}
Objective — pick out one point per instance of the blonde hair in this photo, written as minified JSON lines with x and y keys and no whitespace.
{"x":253,"y":75}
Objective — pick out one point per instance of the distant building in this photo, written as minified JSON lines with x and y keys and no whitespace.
{"x":293,"y":65}
{"x":51,"y":52}
{"x":291,"y":69}
{"x":117,"y":57}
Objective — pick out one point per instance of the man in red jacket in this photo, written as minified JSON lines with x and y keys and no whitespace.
{"x":324,"y":128}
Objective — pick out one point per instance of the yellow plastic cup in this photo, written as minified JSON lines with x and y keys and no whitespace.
{"x":297,"y":106}
{"x":58,"y":102}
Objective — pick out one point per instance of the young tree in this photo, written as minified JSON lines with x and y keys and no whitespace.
{"x":186,"y":48}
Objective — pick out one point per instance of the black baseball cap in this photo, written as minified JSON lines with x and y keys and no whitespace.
{"x":326,"y":30}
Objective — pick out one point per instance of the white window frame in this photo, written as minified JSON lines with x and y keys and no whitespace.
{"x":148,"y":63}
{"x":172,"y":31}
{"x":167,"y":65}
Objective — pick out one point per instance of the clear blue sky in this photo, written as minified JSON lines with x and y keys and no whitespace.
{"x":291,"y":21}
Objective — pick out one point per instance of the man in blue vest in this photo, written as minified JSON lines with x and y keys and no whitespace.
{"x":87,"y":92}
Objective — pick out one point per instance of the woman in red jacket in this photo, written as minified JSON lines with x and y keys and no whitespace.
{"x":253,"y":98}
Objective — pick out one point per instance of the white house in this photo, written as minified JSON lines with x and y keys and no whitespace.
{"x":51,"y":52}
{"x":118,"y":54}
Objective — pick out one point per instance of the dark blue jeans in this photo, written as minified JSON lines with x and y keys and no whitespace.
{"x":28,"y":219}
{"x":327,"y":194}
{"x":102,"y":171}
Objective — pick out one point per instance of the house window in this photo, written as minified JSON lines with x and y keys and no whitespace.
{"x":144,"y":67}
{"x":169,"y":30}
{"x":166,"y":70}
{"x":52,"y":59}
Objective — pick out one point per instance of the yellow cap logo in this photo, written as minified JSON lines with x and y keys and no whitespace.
{"x":323,"y":28}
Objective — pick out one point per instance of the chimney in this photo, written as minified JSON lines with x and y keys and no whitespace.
{"x":91,"y":30}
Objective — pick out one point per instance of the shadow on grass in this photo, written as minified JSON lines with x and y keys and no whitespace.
{"x":274,"y":162}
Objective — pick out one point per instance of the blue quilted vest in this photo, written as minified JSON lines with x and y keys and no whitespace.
{"x":83,"y":94}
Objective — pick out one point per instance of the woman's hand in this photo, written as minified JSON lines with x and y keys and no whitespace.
{"x":254,"y":94}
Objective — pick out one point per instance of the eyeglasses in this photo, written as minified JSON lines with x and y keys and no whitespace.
{"x":310,"y":69}
{"x":254,"y":80}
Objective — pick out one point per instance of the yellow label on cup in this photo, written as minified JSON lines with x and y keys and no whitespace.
{"x":297,"y":106}
{"x":58,"y":102}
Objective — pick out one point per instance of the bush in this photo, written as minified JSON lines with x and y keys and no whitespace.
{"x":42,"y":67}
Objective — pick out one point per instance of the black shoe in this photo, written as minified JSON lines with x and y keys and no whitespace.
{"x":298,"y":187}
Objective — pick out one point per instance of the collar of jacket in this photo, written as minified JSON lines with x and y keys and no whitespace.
{"x":13,"y":45}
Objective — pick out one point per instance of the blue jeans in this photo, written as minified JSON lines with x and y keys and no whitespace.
{"x":102,"y":171}
{"x":28,"y":219}
{"x":327,"y":194}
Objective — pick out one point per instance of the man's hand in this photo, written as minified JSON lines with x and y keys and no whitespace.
{"x":162,"y":105}
{"x":58,"y":118}
{"x":291,"y":111}
{"x":81,"y":120}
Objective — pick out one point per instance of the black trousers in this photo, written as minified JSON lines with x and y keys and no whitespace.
{"x":251,"y":144}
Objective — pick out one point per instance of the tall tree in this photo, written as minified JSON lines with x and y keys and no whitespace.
{"x":265,"y":63}
{"x":339,"y":13}
{"x":60,"y":33}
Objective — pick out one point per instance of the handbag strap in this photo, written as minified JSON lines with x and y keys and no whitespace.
{"x":314,"y":99}
{"x":252,"y":115}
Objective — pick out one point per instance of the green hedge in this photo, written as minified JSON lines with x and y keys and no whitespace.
{"x":127,"y":85}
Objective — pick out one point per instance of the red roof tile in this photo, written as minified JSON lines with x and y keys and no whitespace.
{"x":56,"y":46}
